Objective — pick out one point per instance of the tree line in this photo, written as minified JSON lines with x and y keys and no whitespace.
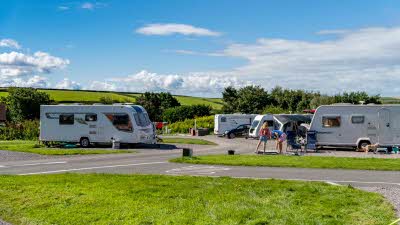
{"x":255,"y":99}
{"x":24,"y":103}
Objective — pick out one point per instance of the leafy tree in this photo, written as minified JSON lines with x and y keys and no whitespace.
{"x":152,"y":103}
{"x":156,"y":103}
{"x":229,"y":97}
{"x":107,"y":100}
{"x":252,"y":99}
{"x":168,"y":101}
{"x":24,"y":103}
{"x":274,"y":110}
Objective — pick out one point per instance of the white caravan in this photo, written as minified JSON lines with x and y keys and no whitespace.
{"x":282,"y":122}
{"x":258,"y":122}
{"x":356,"y":125}
{"x":291,"y":122}
{"x":86,"y":124}
{"x":226,"y":122}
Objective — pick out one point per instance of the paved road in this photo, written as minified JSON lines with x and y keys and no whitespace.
{"x":151,"y":161}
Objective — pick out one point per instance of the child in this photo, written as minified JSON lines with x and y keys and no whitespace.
{"x":264,"y":134}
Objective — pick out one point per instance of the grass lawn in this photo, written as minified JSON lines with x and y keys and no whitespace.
{"x":296,"y":161}
{"x":85,"y":96}
{"x":33,"y":147}
{"x":193,"y":141}
{"x":156,"y":199}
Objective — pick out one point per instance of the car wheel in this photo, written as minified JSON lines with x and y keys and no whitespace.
{"x":231,"y":135}
{"x":84,"y":142}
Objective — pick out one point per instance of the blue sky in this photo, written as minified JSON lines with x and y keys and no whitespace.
{"x":200,"y":47}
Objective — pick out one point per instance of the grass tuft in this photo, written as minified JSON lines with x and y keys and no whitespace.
{"x":323,"y":162}
{"x":193,"y":141}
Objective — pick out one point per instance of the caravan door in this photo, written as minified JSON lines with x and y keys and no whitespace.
{"x":385,"y":132}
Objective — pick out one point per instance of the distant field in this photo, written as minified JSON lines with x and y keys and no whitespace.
{"x":215,"y":103}
{"x":390,"y":100}
{"x":70,"y":96}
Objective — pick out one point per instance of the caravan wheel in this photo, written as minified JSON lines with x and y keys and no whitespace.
{"x":363,"y":144}
{"x":84,"y":142}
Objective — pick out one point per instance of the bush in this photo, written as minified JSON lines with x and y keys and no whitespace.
{"x":274,"y":110}
{"x":26,"y":130}
{"x":24,"y":103}
{"x":184,"y":112}
{"x":184,"y":126}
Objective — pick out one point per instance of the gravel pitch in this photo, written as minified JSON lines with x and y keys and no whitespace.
{"x":390,"y":193}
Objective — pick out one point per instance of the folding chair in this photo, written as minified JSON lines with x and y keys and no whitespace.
{"x":291,"y":141}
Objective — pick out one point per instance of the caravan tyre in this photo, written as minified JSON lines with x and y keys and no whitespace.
{"x":84,"y":142}
{"x":231,"y":135}
{"x":362,"y":144}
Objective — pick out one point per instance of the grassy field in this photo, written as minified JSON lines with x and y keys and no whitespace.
{"x":193,"y":141}
{"x":152,"y":199}
{"x":33,"y":147}
{"x":296,"y":161}
{"x":69,"y":96}
{"x":390,"y":100}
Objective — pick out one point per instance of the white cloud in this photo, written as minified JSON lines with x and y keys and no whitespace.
{"x":63,"y":8}
{"x":174,"y":28}
{"x":87,"y":5}
{"x":15,"y":64}
{"x":68,"y":84}
{"x":204,"y":84}
{"x":92,"y":5}
{"x":9,"y":43}
{"x":102,"y":86}
{"x":34,"y":81}
{"x":365,"y":59}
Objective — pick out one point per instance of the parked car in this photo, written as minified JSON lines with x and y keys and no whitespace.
{"x":240,"y":131}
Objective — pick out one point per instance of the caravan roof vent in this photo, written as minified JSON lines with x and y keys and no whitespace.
{"x":98,"y":104}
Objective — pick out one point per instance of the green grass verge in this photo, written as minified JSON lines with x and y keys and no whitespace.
{"x":296,"y":161}
{"x":192,"y":141}
{"x":33,"y":147}
{"x":85,"y":96}
{"x":152,"y":199}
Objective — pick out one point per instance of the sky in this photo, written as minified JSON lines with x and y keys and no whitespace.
{"x":200,"y":47}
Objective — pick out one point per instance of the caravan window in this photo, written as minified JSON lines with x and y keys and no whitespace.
{"x":91,"y":117}
{"x":66,"y":119}
{"x":223,"y":119}
{"x":357,"y":119}
{"x":120,"y":121}
{"x":331,"y":121}
{"x":270,"y":123}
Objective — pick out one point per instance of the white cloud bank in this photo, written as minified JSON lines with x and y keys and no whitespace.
{"x":199,"y":84}
{"x":175,"y":28}
{"x":68,"y":84}
{"x":364,"y":59}
{"x":9,"y":43}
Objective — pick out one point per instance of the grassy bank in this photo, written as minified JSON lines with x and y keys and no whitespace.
{"x":296,"y":161}
{"x":33,"y":147}
{"x":144,"y":199}
{"x":193,"y":141}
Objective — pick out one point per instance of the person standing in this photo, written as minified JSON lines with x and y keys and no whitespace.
{"x":264,"y":134}
{"x":280,"y":138}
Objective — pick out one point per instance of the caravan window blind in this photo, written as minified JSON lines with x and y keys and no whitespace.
{"x":330,"y":121}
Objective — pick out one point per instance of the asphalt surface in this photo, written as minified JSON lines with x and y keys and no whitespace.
{"x":155,"y":161}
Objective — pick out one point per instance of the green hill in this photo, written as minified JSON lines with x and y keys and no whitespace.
{"x":71,"y":96}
